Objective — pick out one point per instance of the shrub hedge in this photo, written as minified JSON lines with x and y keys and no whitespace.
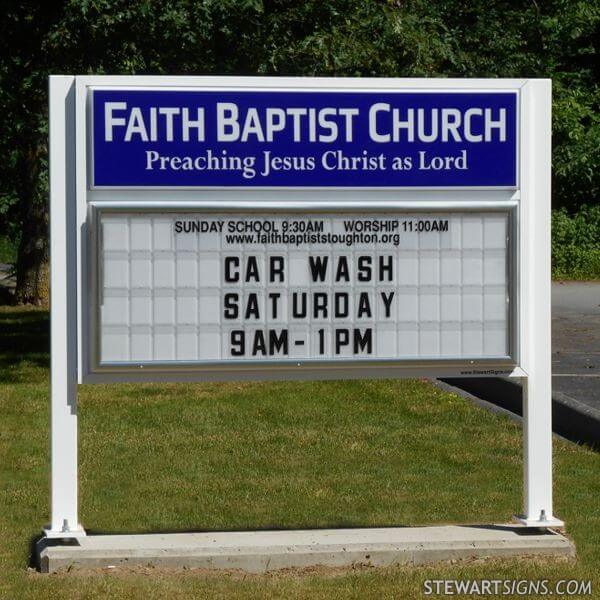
{"x":576,"y":243}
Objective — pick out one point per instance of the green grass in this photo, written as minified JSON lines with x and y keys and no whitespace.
{"x":268,"y":455}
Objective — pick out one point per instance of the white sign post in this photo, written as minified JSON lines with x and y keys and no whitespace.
{"x":214,"y":228}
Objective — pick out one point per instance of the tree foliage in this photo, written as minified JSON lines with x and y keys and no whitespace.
{"x":576,"y":243}
{"x":418,"y":38}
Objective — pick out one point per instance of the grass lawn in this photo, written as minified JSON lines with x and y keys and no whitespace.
{"x":268,"y":455}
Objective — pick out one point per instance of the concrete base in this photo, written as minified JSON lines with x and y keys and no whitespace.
{"x":262,"y":551}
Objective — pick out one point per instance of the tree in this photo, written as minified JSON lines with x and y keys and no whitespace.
{"x":23,"y":122}
{"x":559,"y":39}
{"x":419,"y":38}
{"x":78,"y":37}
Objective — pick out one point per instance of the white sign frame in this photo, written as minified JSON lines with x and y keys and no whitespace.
{"x":72,"y":204}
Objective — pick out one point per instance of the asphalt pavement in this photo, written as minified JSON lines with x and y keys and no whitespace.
{"x":576,"y":341}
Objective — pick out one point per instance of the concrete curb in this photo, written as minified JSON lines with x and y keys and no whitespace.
{"x":571,"y":419}
{"x":263,"y":551}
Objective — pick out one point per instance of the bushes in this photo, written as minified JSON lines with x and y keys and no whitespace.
{"x":8,"y":250}
{"x":576,"y":243}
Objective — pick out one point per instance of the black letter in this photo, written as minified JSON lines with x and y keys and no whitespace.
{"x":360,"y":342}
{"x":341,"y":308}
{"x":274,"y":298}
{"x":252,"y":269}
{"x":364,"y":306}
{"x":231,"y":261}
{"x":252,"y":307}
{"x":299,"y":313}
{"x":278,"y":343}
{"x":276,"y":268}
{"x":342,"y":269}
{"x":320,"y":304}
{"x":364,"y":268}
{"x":259,"y":343}
{"x":387,"y":302}
{"x":318,"y":267}
{"x":231,"y":306}
{"x":383,"y":268}
{"x":341,"y":339}
{"x":238,"y":339}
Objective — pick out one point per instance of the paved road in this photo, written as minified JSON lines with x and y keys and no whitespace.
{"x":576,"y":341}
{"x":7,"y":283}
{"x":7,"y":277}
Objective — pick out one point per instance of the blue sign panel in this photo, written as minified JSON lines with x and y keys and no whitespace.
{"x":303,"y":139}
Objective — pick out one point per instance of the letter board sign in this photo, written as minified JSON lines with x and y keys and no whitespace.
{"x":285,"y":228}
{"x":198,"y":287}
{"x":246,"y":228}
{"x":394,"y":246}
